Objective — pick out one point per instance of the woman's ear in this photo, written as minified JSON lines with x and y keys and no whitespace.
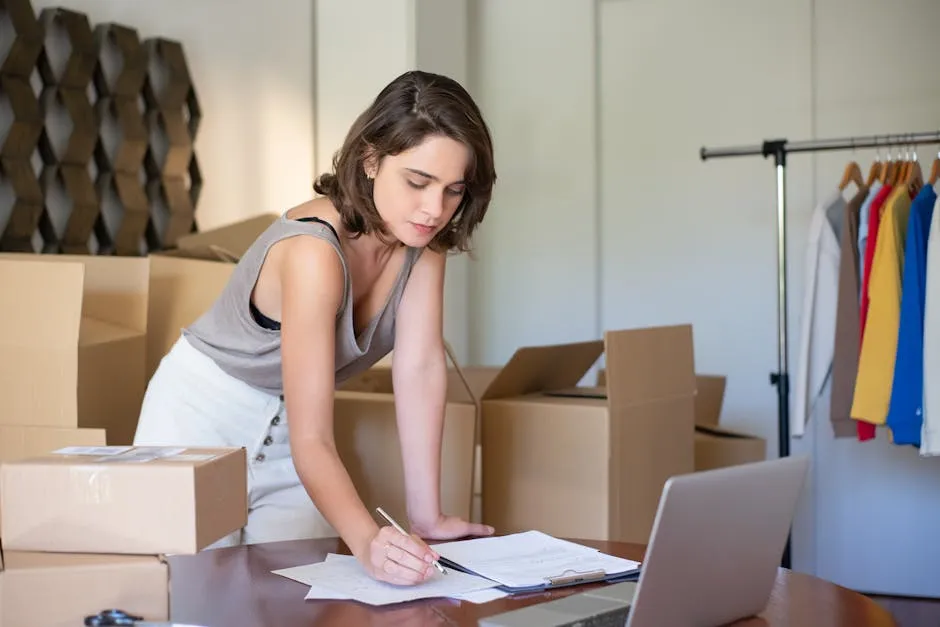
{"x":370,"y":162}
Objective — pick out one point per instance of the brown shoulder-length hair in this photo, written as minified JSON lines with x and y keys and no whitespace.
{"x":409,"y":109}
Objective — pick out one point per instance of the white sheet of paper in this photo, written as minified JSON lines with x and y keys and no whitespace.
{"x":341,"y":577}
{"x":529,"y":558}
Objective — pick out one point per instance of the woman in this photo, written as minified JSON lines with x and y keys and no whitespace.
{"x":326,"y":291}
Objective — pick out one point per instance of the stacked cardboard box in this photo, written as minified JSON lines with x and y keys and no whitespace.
{"x":86,"y":529}
{"x":72,"y":348}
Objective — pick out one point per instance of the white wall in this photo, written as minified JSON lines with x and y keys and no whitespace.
{"x":535,"y":277}
{"x":253,"y":72}
{"x":351,"y":69}
{"x":597,"y":140}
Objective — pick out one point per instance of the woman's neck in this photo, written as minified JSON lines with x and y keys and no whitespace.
{"x":370,"y":249}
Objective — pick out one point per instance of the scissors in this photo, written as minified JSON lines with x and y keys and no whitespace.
{"x":116,"y":618}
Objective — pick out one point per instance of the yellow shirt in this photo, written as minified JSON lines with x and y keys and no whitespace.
{"x":880,"y":338}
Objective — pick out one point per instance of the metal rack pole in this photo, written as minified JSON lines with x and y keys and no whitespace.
{"x":778,"y":148}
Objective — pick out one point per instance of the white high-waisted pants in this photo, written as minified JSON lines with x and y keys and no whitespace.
{"x":190,"y":401}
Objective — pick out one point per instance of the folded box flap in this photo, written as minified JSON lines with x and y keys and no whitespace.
{"x":43,"y":304}
{"x":113,"y":289}
{"x":542,"y":368}
{"x":709,"y":398}
{"x":229,"y":242}
{"x":116,"y":290}
{"x":651,"y":363}
{"x":722,"y":432}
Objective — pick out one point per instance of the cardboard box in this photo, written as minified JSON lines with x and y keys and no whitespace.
{"x":140,"y":500}
{"x":715,"y":445}
{"x":72,"y":342}
{"x":366,"y":425}
{"x":60,"y":590}
{"x":588,"y":462}
{"x":185,"y":281}
{"x":23,"y":442}
{"x":366,"y":432}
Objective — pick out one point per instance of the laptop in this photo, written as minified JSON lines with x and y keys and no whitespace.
{"x":712,"y":559}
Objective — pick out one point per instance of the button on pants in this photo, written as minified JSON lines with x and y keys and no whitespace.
{"x":191,"y":402}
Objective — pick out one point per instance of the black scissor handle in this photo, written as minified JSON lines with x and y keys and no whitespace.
{"x":111,"y":618}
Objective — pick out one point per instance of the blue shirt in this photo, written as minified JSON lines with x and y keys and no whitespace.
{"x":906,"y":409}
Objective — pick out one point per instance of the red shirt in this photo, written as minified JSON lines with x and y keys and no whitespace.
{"x":866,"y":430}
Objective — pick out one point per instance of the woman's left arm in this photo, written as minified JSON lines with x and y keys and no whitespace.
{"x":419,"y":374}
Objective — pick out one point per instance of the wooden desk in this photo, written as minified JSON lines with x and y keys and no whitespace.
{"x":234,"y":587}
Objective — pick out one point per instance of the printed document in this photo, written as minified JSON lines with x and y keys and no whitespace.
{"x":530,"y":559}
{"x":341,"y":577}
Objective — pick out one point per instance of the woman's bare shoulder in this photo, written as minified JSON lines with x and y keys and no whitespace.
{"x":320,"y":208}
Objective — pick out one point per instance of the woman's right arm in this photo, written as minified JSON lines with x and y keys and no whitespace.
{"x":312,"y":287}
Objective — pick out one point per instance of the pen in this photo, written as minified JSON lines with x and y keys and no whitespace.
{"x":398,"y":527}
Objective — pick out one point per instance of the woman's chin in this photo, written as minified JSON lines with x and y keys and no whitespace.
{"x":414,"y":236}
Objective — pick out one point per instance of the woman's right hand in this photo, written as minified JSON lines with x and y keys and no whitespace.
{"x":397,"y":558}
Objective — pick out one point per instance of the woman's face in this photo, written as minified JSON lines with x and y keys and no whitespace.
{"x":418,"y":191}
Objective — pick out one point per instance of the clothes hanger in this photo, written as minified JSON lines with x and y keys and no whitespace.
{"x":852,"y":174}
{"x":915,"y":176}
{"x":876,"y":167}
{"x":934,"y":170}
{"x":907,"y":168}
{"x":900,"y":169}
{"x":888,"y":169}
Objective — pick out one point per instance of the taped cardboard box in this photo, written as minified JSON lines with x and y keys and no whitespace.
{"x":717,"y":446}
{"x":73,"y":342}
{"x":186,"y":280}
{"x":23,"y":442}
{"x":587,"y":462}
{"x":366,"y":432}
{"x":125,"y":500}
{"x":60,"y":590}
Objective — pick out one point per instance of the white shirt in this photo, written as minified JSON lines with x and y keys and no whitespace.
{"x":818,"y":319}
{"x":930,"y":431}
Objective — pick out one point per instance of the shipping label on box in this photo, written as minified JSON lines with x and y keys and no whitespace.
{"x":123,"y":499}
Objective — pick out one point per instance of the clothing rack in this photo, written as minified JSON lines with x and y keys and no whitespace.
{"x":778,"y":149}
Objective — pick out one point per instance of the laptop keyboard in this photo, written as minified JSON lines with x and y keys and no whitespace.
{"x":607,"y":606}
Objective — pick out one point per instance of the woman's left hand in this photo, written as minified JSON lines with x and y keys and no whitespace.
{"x":450,"y":528}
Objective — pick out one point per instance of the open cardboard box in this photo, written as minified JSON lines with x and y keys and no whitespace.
{"x":715,"y":445}
{"x":73,"y":341}
{"x":366,"y":431}
{"x":185,"y":281}
{"x":588,"y":462}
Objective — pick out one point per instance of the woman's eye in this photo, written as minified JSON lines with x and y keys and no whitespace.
{"x":417,"y":185}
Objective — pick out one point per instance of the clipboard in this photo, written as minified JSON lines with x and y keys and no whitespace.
{"x":550,"y":549}
{"x":561,"y":580}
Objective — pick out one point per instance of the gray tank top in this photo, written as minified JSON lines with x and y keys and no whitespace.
{"x":250,"y":352}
